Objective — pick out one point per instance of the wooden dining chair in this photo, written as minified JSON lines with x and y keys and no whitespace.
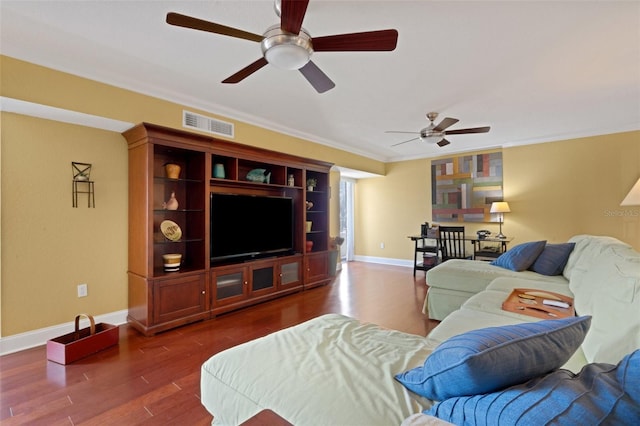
{"x":452,"y":243}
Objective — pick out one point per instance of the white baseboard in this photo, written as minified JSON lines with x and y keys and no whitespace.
{"x":31,"y":339}
{"x":385,"y":261}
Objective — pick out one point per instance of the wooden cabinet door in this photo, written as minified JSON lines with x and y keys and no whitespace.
{"x":263,"y":278}
{"x":289,"y":273}
{"x":178,"y":298}
{"x":229,"y":284}
{"x":316,"y":269}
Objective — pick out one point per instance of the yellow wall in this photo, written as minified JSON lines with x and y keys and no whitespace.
{"x":389,"y":208}
{"x":29,"y":82}
{"x":48,"y":247}
{"x":555,"y":190}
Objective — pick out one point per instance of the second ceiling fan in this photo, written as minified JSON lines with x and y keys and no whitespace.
{"x":435,"y":133}
{"x":289,"y":46}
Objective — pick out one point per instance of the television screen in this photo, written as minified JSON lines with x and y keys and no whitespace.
{"x":250,"y":226}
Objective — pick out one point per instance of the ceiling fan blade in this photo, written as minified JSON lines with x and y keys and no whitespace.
{"x":246,"y":71}
{"x":400,"y":143}
{"x":382,"y":40}
{"x":292,"y":15}
{"x":316,"y":77}
{"x":447,"y":122}
{"x":199,"y":24}
{"x":471,"y":130}
{"x":399,"y":131}
{"x":443,"y":142}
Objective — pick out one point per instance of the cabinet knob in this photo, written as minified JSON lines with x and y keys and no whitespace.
{"x":203,"y":292}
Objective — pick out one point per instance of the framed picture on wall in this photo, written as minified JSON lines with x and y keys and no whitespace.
{"x":463,"y":187}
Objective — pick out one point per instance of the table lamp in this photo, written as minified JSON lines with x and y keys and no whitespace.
{"x":633,"y":197}
{"x":500,"y":207}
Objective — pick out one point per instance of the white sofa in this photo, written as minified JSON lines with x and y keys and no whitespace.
{"x":334,"y":370}
{"x":331,"y":370}
{"x":451,"y":283}
{"x":602,"y":274}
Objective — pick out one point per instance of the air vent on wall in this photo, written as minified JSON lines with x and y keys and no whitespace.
{"x":191,"y":120}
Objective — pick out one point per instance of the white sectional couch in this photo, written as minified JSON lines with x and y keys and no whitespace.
{"x":453,"y":282}
{"x":602,"y":274}
{"x":334,"y":370}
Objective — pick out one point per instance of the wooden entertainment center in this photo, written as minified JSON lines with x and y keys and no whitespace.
{"x":160,"y":300}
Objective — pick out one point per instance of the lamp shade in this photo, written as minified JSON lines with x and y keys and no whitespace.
{"x":500,"y":207}
{"x":633,"y":197}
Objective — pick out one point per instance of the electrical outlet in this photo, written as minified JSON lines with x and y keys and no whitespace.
{"x":82,"y":290}
{"x":381,"y":245}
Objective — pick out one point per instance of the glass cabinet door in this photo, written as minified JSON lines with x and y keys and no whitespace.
{"x":290,"y":273}
{"x":229,"y":285}
{"x":262,"y":278}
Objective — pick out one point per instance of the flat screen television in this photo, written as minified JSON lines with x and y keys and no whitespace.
{"x":245,"y":227}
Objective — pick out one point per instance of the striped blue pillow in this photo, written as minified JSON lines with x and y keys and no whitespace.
{"x":489,"y":359}
{"x":600,"y":394}
{"x":521,"y":256}
{"x":553,"y":259}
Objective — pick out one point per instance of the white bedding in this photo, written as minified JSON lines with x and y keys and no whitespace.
{"x":331,"y":370}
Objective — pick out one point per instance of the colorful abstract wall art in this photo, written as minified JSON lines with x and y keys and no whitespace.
{"x":463,"y":188}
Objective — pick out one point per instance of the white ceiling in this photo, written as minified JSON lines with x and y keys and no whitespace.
{"x":534,"y":71}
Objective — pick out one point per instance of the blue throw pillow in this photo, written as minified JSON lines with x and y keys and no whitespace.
{"x":489,"y":359}
{"x":521,"y":256}
{"x":601,"y":394}
{"x":553,"y":259}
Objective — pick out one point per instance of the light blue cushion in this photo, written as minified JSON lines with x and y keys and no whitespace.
{"x":601,"y":394}
{"x":521,"y":256}
{"x":489,"y":359}
{"x":553,"y":259}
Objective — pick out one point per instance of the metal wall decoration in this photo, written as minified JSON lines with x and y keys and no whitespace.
{"x":82,"y":183}
{"x":463,"y":188}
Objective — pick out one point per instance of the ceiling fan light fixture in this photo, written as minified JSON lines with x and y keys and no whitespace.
{"x":285,"y":50}
{"x":432,"y":139}
{"x":287,"y":56}
{"x":429,"y":136}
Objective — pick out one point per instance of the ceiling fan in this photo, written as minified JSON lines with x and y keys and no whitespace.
{"x":435,"y":133}
{"x":289,"y":46}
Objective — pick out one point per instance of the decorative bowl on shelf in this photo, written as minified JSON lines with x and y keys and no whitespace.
{"x":309,"y":246}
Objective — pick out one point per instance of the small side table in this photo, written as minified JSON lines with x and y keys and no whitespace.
{"x":423,"y":250}
{"x":489,"y":252}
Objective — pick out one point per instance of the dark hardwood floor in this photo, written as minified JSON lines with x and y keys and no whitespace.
{"x":156,"y":380}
